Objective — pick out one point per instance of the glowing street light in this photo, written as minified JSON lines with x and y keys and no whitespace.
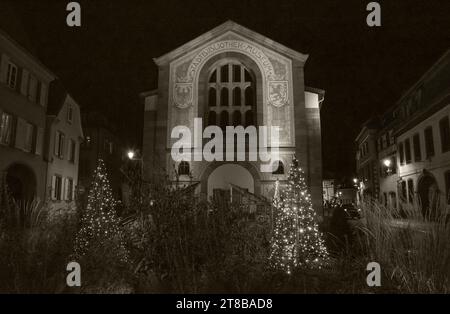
{"x":355,"y":180}
{"x":387,"y":162}
{"x":130,"y":154}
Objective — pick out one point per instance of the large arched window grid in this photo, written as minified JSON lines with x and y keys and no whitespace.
{"x":234,"y":88}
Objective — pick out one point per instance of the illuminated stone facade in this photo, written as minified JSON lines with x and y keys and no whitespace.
{"x":234,"y":76}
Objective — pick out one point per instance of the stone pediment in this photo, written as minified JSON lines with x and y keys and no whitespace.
{"x":226,"y":31}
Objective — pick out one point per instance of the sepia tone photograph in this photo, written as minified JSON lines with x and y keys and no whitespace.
{"x":224,"y":147}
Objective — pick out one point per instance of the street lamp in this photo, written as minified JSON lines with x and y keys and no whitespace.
{"x":132,"y":156}
{"x":387,"y":163}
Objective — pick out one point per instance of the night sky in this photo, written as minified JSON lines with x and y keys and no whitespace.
{"x":107,"y":62}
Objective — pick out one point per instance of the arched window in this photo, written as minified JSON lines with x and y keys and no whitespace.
{"x":213,"y":77}
{"x":280,"y":168}
{"x":224,"y":97}
{"x":212,"y":118}
{"x":248,"y":118}
{"x":230,"y":84}
{"x":183,"y":168}
{"x":236,"y":96}
{"x":212,"y":97}
{"x":236,"y":73}
{"x":247,"y":76}
{"x":224,"y":119}
{"x":249,"y":96}
{"x":224,"y":73}
{"x":236,"y":118}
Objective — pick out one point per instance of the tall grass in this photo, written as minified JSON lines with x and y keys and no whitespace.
{"x":413,"y":249}
{"x":33,"y":249}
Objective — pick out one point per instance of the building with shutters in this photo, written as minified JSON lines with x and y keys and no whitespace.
{"x":403,"y":156}
{"x":233,"y":76}
{"x":63,"y":138}
{"x":24,"y":83}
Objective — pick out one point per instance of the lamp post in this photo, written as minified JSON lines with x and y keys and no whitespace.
{"x":387,"y":163}
{"x":132,"y":156}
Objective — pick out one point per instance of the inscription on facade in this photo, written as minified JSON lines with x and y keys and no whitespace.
{"x":231,"y":45}
{"x":276,"y":86}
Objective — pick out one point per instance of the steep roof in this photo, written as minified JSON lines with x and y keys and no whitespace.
{"x":56,"y":97}
{"x":237,"y":28}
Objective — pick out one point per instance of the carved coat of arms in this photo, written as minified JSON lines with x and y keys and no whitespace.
{"x":182,"y":95}
{"x":278,"y":93}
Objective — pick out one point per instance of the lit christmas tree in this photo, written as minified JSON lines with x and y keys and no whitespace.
{"x":99,"y":223}
{"x":296,"y":240}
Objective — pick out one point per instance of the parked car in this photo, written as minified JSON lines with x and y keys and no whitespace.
{"x":351,"y":211}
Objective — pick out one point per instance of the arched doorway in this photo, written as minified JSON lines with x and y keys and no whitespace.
{"x":21,"y":182}
{"x":220,"y":180}
{"x":428,"y":195}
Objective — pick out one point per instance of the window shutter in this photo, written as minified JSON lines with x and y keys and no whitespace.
{"x":64,"y":189}
{"x":4,"y":68}
{"x":32,"y":89}
{"x":69,"y":149}
{"x":21,"y":133}
{"x":43,"y":95}
{"x":56,"y":144}
{"x":53,"y":191}
{"x":39,"y":141}
{"x":24,"y":82}
{"x":63,"y":145}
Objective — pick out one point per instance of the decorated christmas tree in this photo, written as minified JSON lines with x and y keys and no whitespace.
{"x":100,"y":228}
{"x":296,"y":240}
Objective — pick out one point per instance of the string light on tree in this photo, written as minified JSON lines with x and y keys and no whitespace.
{"x":296,"y":240}
{"x":99,"y":224}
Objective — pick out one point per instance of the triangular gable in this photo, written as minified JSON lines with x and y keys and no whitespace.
{"x":238,"y":29}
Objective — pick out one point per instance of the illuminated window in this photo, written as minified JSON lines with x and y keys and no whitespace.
{"x":6,"y":128}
